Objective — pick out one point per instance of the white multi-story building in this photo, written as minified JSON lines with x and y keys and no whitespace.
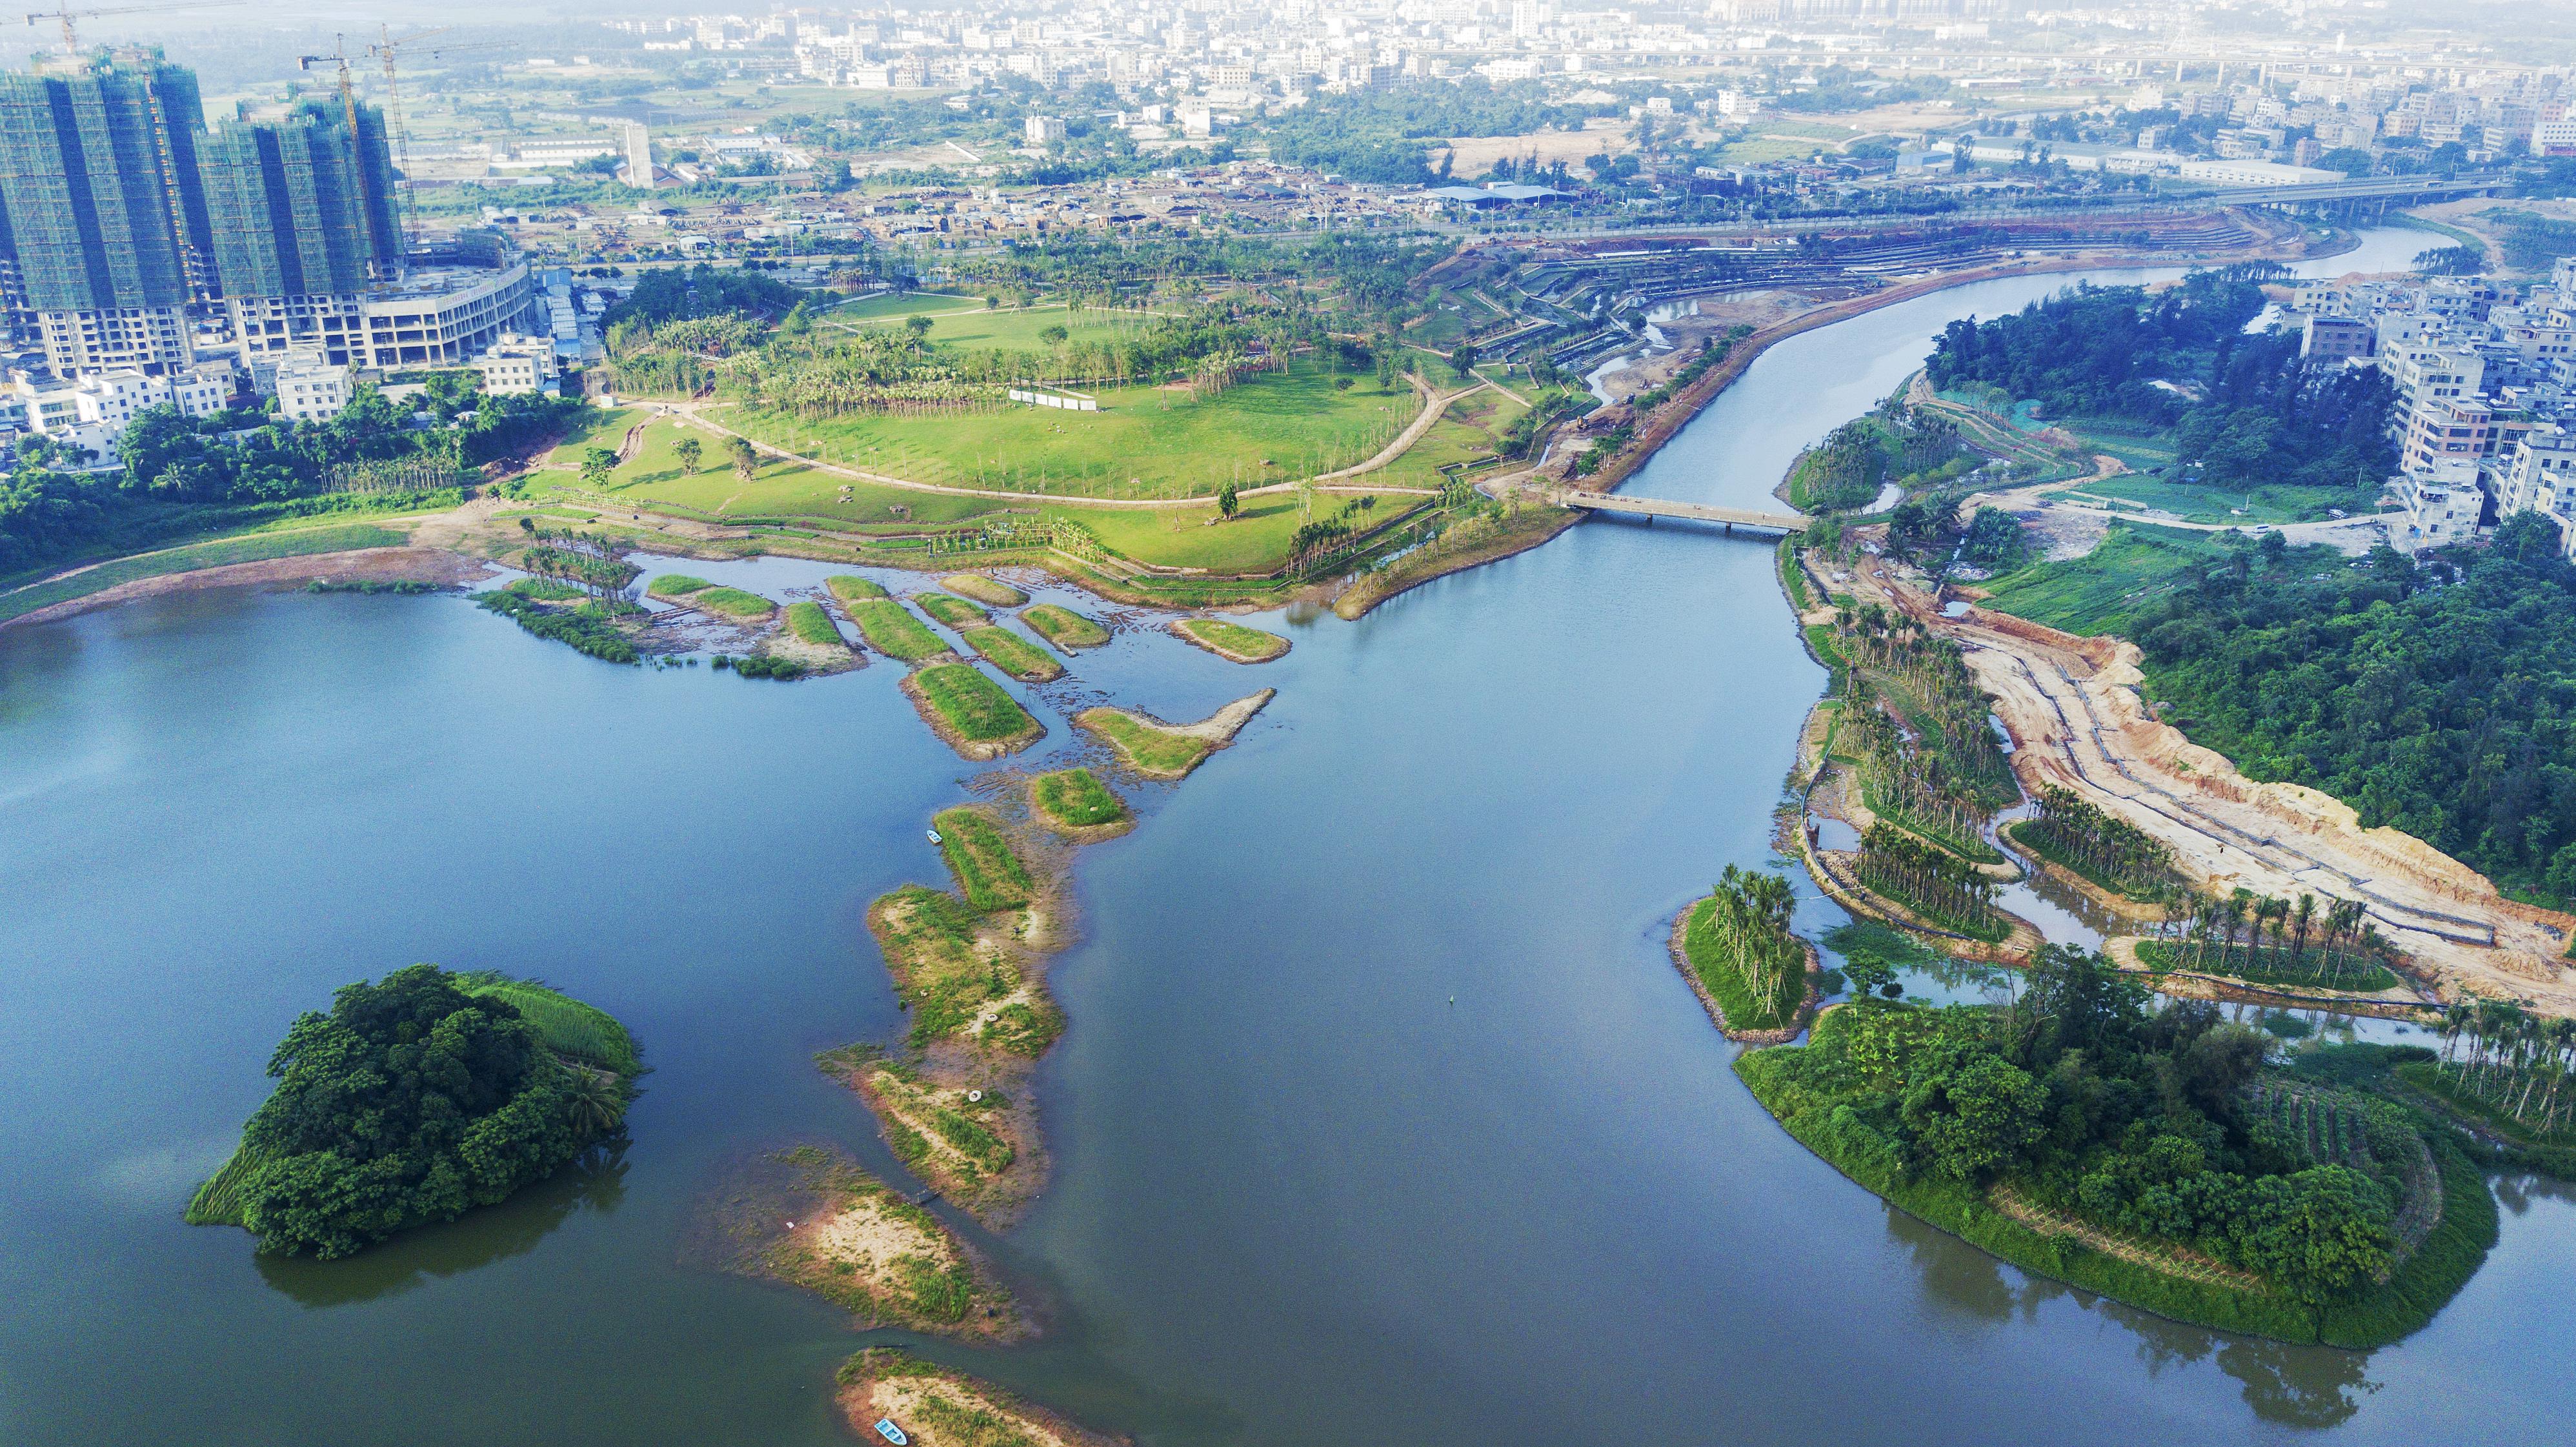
{"x":518,"y":364}
{"x":91,"y":412}
{"x":2441,"y":504}
{"x":2540,"y":476}
{"x":311,"y":388}
{"x":433,"y":317}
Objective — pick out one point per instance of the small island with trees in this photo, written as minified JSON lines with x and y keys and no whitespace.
{"x":416,"y":1099}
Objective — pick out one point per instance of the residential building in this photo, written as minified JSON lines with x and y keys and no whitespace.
{"x":2540,"y":476}
{"x":312,"y":389}
{"x":302,"y":206}
{"x":517,"y":364}
{"x":2440,"y":506}
{"x":102,"y":209}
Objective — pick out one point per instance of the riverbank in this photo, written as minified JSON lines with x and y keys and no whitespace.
{"x":935,"y":1406}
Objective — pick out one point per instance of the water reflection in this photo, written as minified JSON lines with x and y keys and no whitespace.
{"x":595,"y":1182}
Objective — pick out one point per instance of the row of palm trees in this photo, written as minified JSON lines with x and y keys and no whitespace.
{"x":2238,"y":923}
{"x":1749,"y":914}
{"x":1911,"y":781}
{"x":1931,"y":882}
{"x":2520,"y":1063}
{"x":2098,"y":843}
{"x":1934,"y":674}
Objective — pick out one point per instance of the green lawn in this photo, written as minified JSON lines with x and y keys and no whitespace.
{"x":2100,"y":592}
{"x":974,"y":327}
{"x":851,"y":588}
{"x":984,"y":590}
{"x":973,"y":704}
{"x":988,"y":873}
{"x":1255,"y":541}
{"x":955,"y":612}
{"x":1149,"y":750}
{"x":219,"y":552}
{"x":1246,"y":644}
{"x":807,"y":620}
{"x":1065,"y":628}
{"x":903,"y":304}
{"x":2194,"y":503}
{"x":892,"y":630}
{"x":1472,"y":428}
{"x":1146,"y":442}
{"x":602,"y":429}
{"x":1076,"y":799}
{"x":711,"y":597}
{"x":1013,"y":654}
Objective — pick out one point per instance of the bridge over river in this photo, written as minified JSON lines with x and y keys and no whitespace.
{"x":1654,"y":507}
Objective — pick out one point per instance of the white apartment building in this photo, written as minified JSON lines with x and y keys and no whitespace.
{"x":518,"y":364}
{"x":2441,"y":505}
{"x":2540,"y":476}
{"x":311,"y":388}
{"x":152,"y":340}
{"x":2427,"y":380}
{"x":93,"y":411}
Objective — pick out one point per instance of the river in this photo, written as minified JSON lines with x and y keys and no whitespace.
{"x":1383,"y":1114}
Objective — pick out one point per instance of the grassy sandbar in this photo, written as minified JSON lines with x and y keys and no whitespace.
{"x":984,"y":590}
{"x":891,"y":630}
{"x":1074,"y":802}
{"x":955,"y":612}
{"x":1064,"y":628}
{"x":970,"y":711}
{"x":1013,"y":654}
{"x":1231,"y":640}
{"x":989,"y":872}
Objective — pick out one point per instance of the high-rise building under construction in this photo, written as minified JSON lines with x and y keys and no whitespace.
{"x":302,"y":205}
{"x":105,"y":218}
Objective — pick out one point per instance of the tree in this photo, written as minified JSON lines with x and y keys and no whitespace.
{"x":596,"y":466}
{"x":1977,"y":1118}
{"x":918,"y":326}
{"x":746,"y":458}
{"x":411,"y":1101}
{"x":689,"y":452}
{"x":1226,"y":500}
{"x":1463,"y":361}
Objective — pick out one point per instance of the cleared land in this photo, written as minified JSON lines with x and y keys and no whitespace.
{"x":984,"y":590}
{"x":885,"y":1260}
{"x":1075,"y":802}
{"x":1231,"y":640}
{"x":1160,"y":750}
{"x":891,"y":630}
{"x":1013,"y":654}
{"x":959,"y":977}
{"x":970,"y":712}
{"x":938,"y":1407}
{"x":1064,"y":628}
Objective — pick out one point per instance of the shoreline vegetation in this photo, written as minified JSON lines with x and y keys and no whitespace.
{"x":2325,"y":1209}
{"x":1231,"y":641}
{"x":860,"y":1245}
{"x":355,"y":1145}
{"x":941,"y":1407}
{"x":1160,"y":750}
{"x":1756,"y":979}
{"x":969,"y":711}
{"x":1063,"y":627}
{"x":1074,"y":803}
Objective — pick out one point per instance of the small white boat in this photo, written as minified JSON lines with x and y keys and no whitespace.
{"x":934,"y":837}
{"x":892,"y":1433}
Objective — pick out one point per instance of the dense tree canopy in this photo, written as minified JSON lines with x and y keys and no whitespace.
{"x":411,"y":1101}
{"x":2152,"y":1124}
{"x":2438,"y":699}
{"x":2245,"y":410}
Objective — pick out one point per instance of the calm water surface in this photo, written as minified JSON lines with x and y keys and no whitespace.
{"x":1383,"y":1113}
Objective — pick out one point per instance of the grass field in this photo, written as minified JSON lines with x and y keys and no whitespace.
{"x":810,"y":624}
{"x":903,"y":304}
{"x":195,"y":557}
{"x":1064,"y":628}
{"x":984,"y":590}
{"x":988,"y":873}
{"x":568,"y":1026}
{"x":1013,"y":654}
{"x":2195,"y":503}
{"x":949,"y":984}
{"x":1145,"y":442}
{"x":713,"y":598}
{"x":1076,"y":799}
{"x":1147,"y":749}
{"x":972,"y":704}
{"x":1233,"y":640}
{"x":1472,"y":428}
{"x":2102,"y":591}
{"x":975,"y":327}
{"x":851,"y":588}
{"x":601,"y":429}
{"x":955,"y":612}
{"x":891,"y":629}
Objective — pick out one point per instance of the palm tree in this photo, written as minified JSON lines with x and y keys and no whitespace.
{"x":2300,"y":918}
{"x":593,"y":1100}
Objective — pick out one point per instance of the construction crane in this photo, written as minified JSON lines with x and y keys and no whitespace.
{"x":339,"y":56}
{"x":65,"y":15}
{"x":386,"y":49}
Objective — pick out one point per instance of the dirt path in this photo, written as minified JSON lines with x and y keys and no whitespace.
{"x":2072,"y":708}
{"x":1423,"y":421}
